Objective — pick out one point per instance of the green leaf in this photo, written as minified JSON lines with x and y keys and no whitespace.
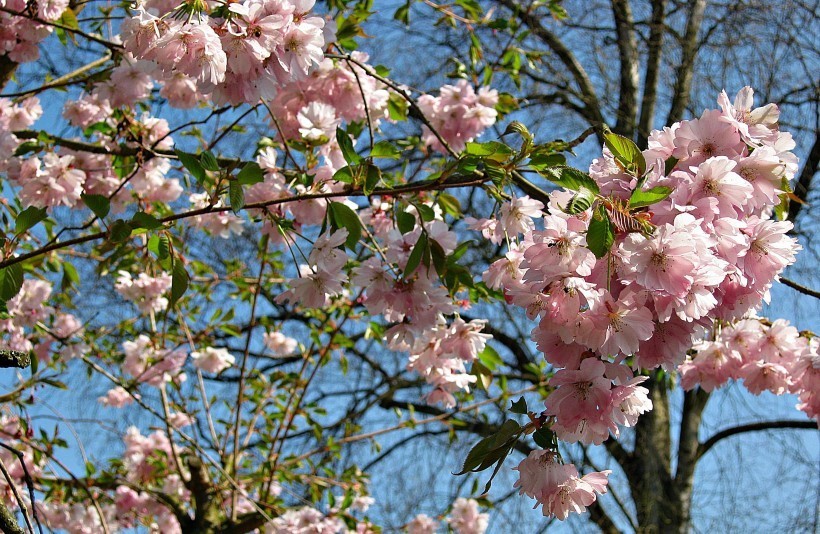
{"x":11,"y":280}
{"x":405,"y":221}
{"x":344,"y":175}
{"x":385,"y":149}
{"x":540,"y":162}
{"x":164,"y":247}
{"x":493,"y":150}
{"x":519,"y":406}
{"x":179,"y":283}
{"x":70,"y":276}
{"x":492,"y":448}
{"x":119,"y":231}
{"x":344,"y":217}
{"x":346,"y":145}
{"x":98,"y":204}
{"x":626,"y":153}
{"x":250,"y":174}
{"x":402,"y":14}
{"x":669,"y":164}
{"x":579,"y":202}
{"x":449,"y":204}
{"x":27,"y":147}
{"x":569,"y":178}
{"x":397,"y":107}
{"x":372,"y":178}
{"x":427,"y":213}
{"x":484,"y":377}
{"x":640,"y":199}
{"x":438,"y":257}
{"x":489,"y":357}
{"x":236,"y":196}
{"x":544,"y":437}
{"x":192,"y":164}
{"x":416,"y":255}
{"x":28,"y":218}
{"x":208,"y":161}
{"x":600,"y":235}
{"x":144,"y":220}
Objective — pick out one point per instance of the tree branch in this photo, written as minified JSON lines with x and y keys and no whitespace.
{"x":800,"y":288}
{"x":704,"y":447}
{"x":592,"y":108}
{"x":689,"y":50}
{"x":803,"y":184}
{"x":628,"y":59}
{"x":653,"y":66}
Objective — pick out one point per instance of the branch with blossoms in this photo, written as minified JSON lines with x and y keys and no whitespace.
{"x":653,"y":258}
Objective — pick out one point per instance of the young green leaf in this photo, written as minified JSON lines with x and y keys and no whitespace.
{"x":209,"y":161}
{"x":179,"y":283}
{"x":250,"y":174}
{"x":144,"y":220}
{"x":569,"y":178}
{"x":119,"y":231}
{"x":626,"y":153}
{"x":600,"y":234}
{"x":98,"y":204}
{"x":28,"y":218}
{"x":416,"y":255}
{"x":346,"y":145}
{"x":385,"y":149}
{"x":344,"y":217}
{"x":640,"y":199}
{"x":192,"y":165}
{"x":11,"y":280}
{"x":519,"y":406}
{"x":372,"y":177}
{"x":236,"y":195}
{"x":405,"y":221}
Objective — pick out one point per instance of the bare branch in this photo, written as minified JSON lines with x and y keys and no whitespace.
{"x":704,"y":447}
{"x":689,"y":50}
{"x":628,"y":58}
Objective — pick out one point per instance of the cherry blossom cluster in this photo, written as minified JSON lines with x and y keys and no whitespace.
{"x":143,"y":461}
{"x":458,"y":114}
{"x":311,"y":108}
{"x":15,"y":117}
{"x":556,"y":486}
{"x":149,"y":364}
{"x":14,"y":434}
{"x":145,"y":291}
{"x":60,"y":178}
{"x":62,"y":332}
{"x":419,"y":304}
{"x":20,"y":35}
{"x":677,"y":271}
{"x":767,"y":357}
{"x":236,"y":53}
{"x":465,"y":518}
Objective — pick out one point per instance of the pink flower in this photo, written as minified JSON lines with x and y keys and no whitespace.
{"x":576,"y":494}
{"x":465,"y":518}
{"x":517,"y":215}
{"x":620,"y":325}
{"x":754,"y":125}
{"x":279,"y":343}
{"x":213,"y":360}
{"x":117,"y":398}
{"x":422,"y":524}
{"x":579,"y":394}
{"x":145,"y":291}
{"x":699,"y":139}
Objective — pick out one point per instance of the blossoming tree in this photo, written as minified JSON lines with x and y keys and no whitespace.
{"x":238,"y":181}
